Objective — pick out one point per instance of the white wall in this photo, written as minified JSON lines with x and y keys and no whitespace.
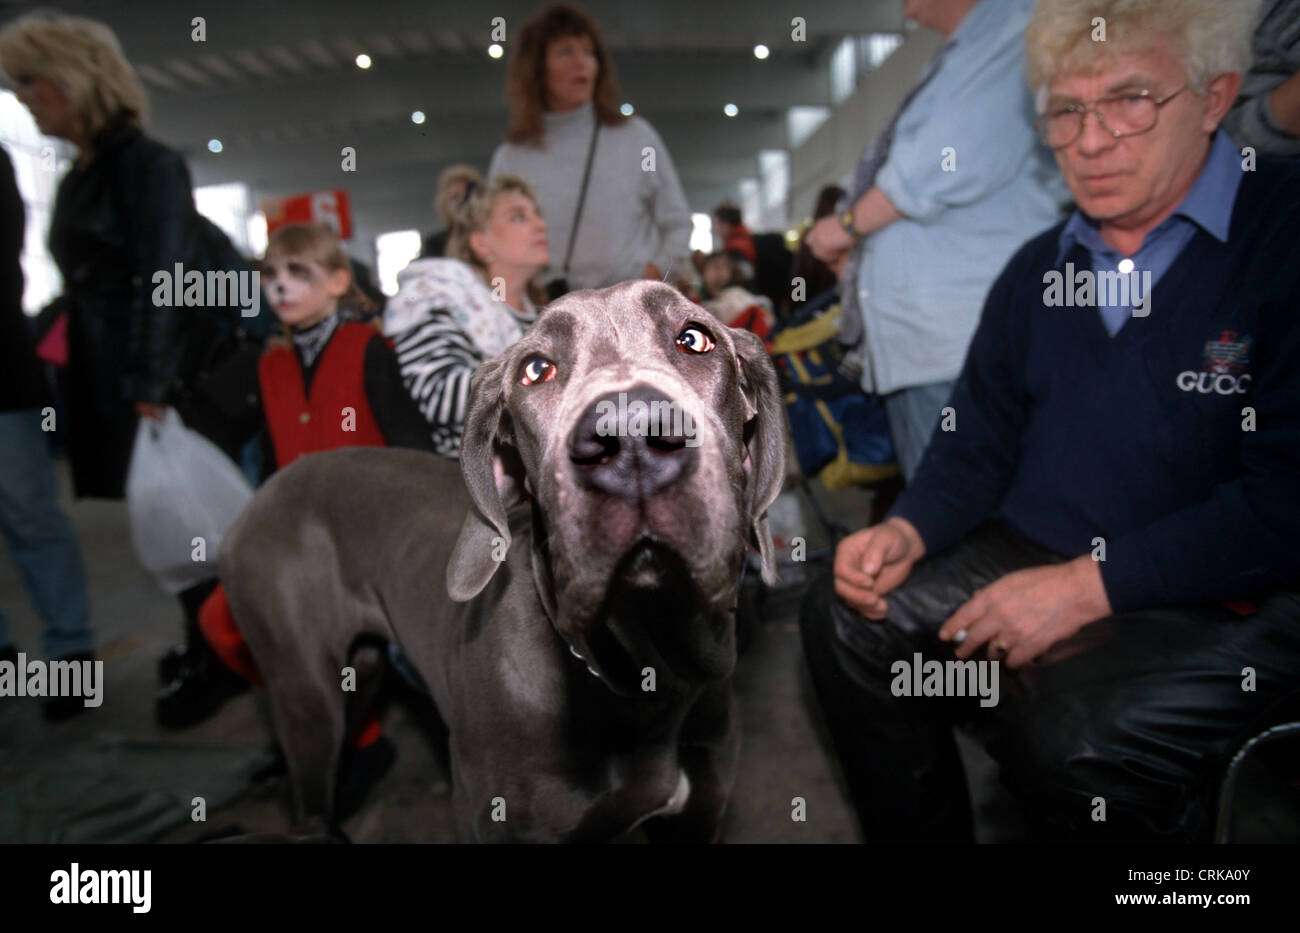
{"x":833,"y":150}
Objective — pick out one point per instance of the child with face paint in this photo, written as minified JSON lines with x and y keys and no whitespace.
{"x":333,"y":383}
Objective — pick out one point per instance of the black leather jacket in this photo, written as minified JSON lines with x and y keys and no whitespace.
{"x":118,"y":219}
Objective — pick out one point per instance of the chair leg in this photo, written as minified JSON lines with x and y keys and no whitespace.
{"x":1228,"y":790}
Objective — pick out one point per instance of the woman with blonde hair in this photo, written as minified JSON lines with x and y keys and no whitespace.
{"x":124,"y":211}
{"x":451,"y":314}
{"x":455,"y":185}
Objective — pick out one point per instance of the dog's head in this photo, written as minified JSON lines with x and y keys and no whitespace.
{"x":651,"y":441}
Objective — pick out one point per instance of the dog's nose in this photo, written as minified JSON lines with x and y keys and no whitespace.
{"x":633,"y":444}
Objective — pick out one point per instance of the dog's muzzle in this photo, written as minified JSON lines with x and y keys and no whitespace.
{"x":632,"y":444}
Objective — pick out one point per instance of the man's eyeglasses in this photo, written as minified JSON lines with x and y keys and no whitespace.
{"x":1129,"y":114}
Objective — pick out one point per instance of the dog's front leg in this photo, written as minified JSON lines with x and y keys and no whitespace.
{"x":707,"y":753}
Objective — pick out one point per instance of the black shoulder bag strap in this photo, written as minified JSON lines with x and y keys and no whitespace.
{"x":582,"y":197}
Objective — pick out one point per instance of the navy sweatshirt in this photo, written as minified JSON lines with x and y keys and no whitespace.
{"x":1069,"y":434}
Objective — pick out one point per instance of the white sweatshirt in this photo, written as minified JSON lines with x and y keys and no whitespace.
{"x":635,"y":211}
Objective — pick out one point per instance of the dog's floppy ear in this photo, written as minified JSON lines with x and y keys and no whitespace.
{"x":765,"y":441}
{"x":487,"y":463}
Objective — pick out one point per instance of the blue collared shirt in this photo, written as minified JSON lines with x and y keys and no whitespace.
{"x":1207,"y":204}
{"x":972,"y":181}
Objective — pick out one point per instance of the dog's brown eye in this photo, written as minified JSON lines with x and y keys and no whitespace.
{"x":537,"y":369}
{"x":694,"y":340}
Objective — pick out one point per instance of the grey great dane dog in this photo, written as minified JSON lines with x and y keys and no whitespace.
{"x":569,"y":602}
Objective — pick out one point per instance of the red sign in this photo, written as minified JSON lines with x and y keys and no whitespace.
{"x":325,"y":207}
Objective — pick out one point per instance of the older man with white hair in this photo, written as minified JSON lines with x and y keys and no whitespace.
{"x":1110,"y":512}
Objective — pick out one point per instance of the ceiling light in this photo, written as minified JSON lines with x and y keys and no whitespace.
{"x":417,"y":117}
{"x":731,"y":110}
{"x":761,"y":52}
{"x":363,"y":60}
{"x":214,"y":145}
{"x":627,"y":110}
{"x":495,"y":50}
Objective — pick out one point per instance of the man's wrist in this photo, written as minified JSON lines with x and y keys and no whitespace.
{"x":1089,"y":589}
{"x":916,"y":545}
{"x":846,"y":218}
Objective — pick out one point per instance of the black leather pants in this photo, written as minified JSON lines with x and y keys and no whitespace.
{"x":1133,"y":718}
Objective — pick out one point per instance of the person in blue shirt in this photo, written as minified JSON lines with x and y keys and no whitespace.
{"x":1108,"y":530}
{"x":941,"y":198}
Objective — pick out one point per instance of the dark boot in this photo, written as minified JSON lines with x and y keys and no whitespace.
{"x":174,"y":659}
{"x":57,"y":709}
{"x":202,"y":683}
{"x":202,"y":687}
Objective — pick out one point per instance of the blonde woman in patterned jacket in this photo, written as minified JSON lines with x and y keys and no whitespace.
{"x":451,"y":314}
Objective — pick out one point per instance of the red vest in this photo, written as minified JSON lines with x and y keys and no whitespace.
{"x":337,"y":412}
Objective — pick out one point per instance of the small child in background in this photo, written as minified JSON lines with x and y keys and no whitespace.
{"x":730,"y":303}
{"x":331,"y":364}
{"x":333,"y":383}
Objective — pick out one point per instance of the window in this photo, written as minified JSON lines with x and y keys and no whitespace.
{"x":843,"y":71}
{"x":257,"y":235}
{"x":880,"y":46}
{"x":702,"y":233}
{"x":751,"y":207}
{"x":39,"y":163}
{"x":227,"y":206}
{"x":774,"y":169}
{"x":393,"y":251}
{"x":855,"y":57}
{"x":802,"y":122}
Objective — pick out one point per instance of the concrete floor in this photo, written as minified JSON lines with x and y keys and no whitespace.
{"x":784,"y":752}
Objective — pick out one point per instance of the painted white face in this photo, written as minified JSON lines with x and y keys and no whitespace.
{"x":302,"y":292}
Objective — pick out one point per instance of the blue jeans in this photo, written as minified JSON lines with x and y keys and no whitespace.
{"x":40,"y":538}
{"x":913,"y":416}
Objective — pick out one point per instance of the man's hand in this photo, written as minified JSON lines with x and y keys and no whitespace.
{"x":1028,"y":611}
{"x":1284,"y":102}
{"x":838,"y":264}
{"x":150,"y":410}
{"x":872,"y":562}
{"x":828,"y":241}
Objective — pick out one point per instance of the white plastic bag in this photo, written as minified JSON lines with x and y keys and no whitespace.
{"x":180,"y":487}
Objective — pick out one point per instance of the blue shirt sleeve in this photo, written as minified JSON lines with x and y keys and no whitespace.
{"x":967,"y":134}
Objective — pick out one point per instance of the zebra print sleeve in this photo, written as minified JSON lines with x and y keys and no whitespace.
{"x":437,"y":360}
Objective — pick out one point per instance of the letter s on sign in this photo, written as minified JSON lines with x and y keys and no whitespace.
{"x":325,"y":210}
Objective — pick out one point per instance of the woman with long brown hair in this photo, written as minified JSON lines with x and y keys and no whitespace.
{"x":605,"y":181}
